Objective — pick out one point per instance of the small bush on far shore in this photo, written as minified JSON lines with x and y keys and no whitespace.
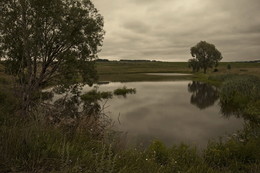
{"x":124,"y":91}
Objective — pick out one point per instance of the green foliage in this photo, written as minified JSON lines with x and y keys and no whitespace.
{"x":49,"y":42}
{"x":159,"y":158}
{"x":35,"y":147}
{"x":105,"y":161}
{"x":94,"y":96}
{"x":183,"y":158}
{"x":241,"y":96}
{"x":91,"y":102}
{"x":240,"y":153}
{"x":223,"y":77}
{"x":124,"y":91}
{"x":159,"y":153}
{"x":194,"y":64}
{"x":206,"y":56}
{"x":229,"y":67}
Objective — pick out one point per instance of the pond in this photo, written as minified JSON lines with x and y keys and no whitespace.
{"x":172,"y":112}
{"x":169,"y":74}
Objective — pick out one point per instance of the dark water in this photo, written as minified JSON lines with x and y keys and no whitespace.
{"x":172,"y":112}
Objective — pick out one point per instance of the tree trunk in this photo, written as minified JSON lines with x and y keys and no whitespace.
{"x":205,"y":70}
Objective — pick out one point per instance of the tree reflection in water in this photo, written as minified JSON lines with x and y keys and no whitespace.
{"x":203,"y":95}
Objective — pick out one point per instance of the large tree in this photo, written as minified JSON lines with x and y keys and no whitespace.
{"x":42,"y":40}
{"x":206,"y":55}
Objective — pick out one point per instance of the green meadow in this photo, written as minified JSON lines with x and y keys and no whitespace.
{"x":135,"y":71}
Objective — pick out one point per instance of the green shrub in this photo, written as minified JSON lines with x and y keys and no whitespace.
{"x":124,"y":91}
{"x":35,"y":147}
{"x":241,"y":96}
{"x":229,"y":67}
{"x":94,"y":95}
{"x":240,"y":153}
{"x":159,"y":153}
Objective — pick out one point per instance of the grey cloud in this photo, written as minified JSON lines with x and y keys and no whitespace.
{"x":136,"y":26}
{"x":254,"y":29}
{"x":143,"y":29}
{"x":142,"y":2}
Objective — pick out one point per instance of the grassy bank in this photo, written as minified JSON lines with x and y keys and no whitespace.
{"x":34,"y":146}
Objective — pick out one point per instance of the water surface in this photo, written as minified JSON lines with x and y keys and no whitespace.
{"x":169,"y":74}
{"x":173,"y":112}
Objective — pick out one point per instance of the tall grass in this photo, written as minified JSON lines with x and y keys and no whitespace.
{"x":240,"y":96}
{"x":34,"y":146}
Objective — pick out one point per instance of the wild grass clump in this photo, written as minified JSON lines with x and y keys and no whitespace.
{"x":43,"y":142}
{"x":241,"y":153}
{"x":124,"y":91}
{"x":159,"y":158}
{"x":222,"y":77}
{"x":36,"y":147}
{"x":230,"y":156}
{"x":95,"y":95}
{"x":241,"y":97}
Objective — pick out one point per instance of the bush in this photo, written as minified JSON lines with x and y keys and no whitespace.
{"x":94,"y":95}
{"x":241,"y":96}
{"x":229,"y":67}
{"x":124,"y":91}
{"x":215,"y":70}
{"x":35,"y":147}
{"x":240,"y":153}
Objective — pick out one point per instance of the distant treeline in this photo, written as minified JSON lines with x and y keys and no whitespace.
{"x":140,"y":60}
{"x":254,"y":61}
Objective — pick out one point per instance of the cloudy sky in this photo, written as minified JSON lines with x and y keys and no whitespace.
{"x":166,"y":29}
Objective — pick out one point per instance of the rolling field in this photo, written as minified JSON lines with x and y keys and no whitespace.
{"x":135,"y":71}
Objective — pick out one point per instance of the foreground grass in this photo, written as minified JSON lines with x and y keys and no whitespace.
{"x":37,"y":147}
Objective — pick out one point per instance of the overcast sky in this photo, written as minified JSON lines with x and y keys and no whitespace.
{"x":166,"y":29}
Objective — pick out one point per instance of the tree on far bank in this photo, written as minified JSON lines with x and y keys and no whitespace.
{"x":49,"y":41}
{"x":194,"y":64}
{"x":205,"y":55}
{"x":229,"y":67}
